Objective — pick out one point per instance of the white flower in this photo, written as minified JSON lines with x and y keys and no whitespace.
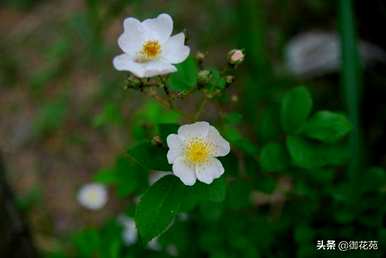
{"x":93,"y":196}
{"x":130,"y":232}
{"x":193,"y":151}
{"x":149,"y":50}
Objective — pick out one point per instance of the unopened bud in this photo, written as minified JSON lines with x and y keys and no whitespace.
{"x":156,"y":141}
{"x":234,"y":98}
{"x":200,"y":56}
{"x":229,"y":79}
{"x":204,"y":77}
{"x":236,"y":56}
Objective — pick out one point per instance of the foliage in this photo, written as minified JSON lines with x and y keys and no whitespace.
{"x":287,"y":182}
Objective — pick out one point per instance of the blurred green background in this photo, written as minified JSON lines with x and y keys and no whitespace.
{"x":65,"y":115}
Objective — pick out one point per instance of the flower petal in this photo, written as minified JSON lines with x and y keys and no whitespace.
{"x":125,"y":63}
{"x":161,"y":27}
{"x":133,"y":36}
{"x":210,"y":171}
{"x":158,"y":67}
{"x":197,"y":129}
{"x":184,"y":172}
{"x":175,"y":50}
{"x":221,"y":146}
{"x":176,"y":147}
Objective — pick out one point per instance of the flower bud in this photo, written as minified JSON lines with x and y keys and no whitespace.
{"x":156,"y":140}
{"x":236,"y":56}
{"x":200,"y":56}
{"x":229,"y":79}
{"x":204,"y":77}
{"x":234,"y":98}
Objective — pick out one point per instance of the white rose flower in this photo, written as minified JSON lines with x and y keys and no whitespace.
{"x":93,"y":196}
{"x":193,"y":151}
{"x":149,"y":50}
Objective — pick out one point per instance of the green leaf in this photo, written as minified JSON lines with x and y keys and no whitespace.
{"x":239,"y":196}
{"x":51,"y":116}
{"x":216,"y":82}
{"x":105,"y":176}
{"x":111,"y":114}
{"x":236,"y":139}
{"x":309,"y":155}
{"x":233,"y":118}
{"x":130,"y":176}
{"x":158,"y":206}
{"x":165,"y":129}
{"x":326,"y":126}
{"x":186,"y":76}
{"x":150,"y":156}
{"x":296,"y":107}
{"x":302,"y":153}
{"x":87,"y":241}
{"x":273,"y":157}
{"x":200,"y":192}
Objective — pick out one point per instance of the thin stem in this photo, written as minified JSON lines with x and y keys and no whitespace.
{"x":351,"y":83}
{"x":200,"y":109}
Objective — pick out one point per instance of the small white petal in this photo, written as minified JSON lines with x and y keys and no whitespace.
{"x":154,"y":245}
{"x":157,"y":175}
{"x":197,"y":129}
{"x":158,"y":67}
{"x":131,"y":40}
{"x":130,"y":232}
{"x":221,"y":146}
{"x":210,"y":171}
{"x":161,"y":27}
{"x":175,"y":50}
{"x":184,"y":172}
{"x":176,"y":147}
{"x":125,"y":63}
{"x":92,"y":196}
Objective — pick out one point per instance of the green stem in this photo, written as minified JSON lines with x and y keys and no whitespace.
{"x":200,"y":109}
{"x":351,"y":77}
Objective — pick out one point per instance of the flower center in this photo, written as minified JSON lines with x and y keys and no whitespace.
{"x":197,"y":151}
{"x":150,"y":50}
{"x":93,"y":196}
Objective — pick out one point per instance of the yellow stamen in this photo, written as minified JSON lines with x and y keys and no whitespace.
{"x":150,"y":50}
{"x":197,"y":151}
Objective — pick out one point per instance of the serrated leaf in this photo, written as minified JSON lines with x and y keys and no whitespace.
{"x":186,"y":76}
{"x":158,"y":207}
{"x":295,"y":108}
{"x":327,"y":126}
{"x":273,"y":157}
